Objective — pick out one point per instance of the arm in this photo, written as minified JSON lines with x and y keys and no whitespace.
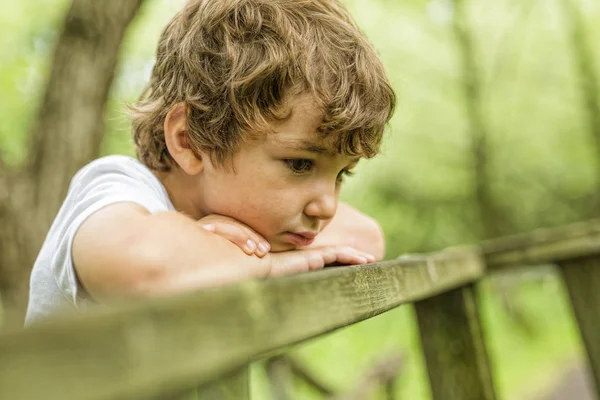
{"x":350,"y":227}
{"x":122,"y":250}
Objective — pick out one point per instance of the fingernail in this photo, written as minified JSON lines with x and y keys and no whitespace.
{"x":209,"y":227}
{"x":250,"y":245}
{"x":264,"y":247}
{"x":371,"y":258}
{"x":363,"y":260}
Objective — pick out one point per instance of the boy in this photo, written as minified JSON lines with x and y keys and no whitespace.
{"x":254,"y":112}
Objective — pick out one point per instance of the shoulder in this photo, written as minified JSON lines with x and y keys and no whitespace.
{"x":119,"y":164}
{"x":114,"y":169}
{"x":119,"y":178}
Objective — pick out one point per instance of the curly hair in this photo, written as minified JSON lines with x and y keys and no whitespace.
{"x":235,"y":62}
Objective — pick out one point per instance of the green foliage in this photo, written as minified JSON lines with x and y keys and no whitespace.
{"x":543,"y":161}
{"x":25,"y":55}
{"x":524,"y":363}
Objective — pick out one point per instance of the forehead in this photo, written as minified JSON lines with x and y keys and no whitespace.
{"x":299,"y":129}
{"x":301,"y":114}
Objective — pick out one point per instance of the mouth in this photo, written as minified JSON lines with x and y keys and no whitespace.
{"x":300,"y":238}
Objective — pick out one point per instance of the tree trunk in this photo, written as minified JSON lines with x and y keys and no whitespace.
{"x":583,"y":56}
{"x":66,"y":136}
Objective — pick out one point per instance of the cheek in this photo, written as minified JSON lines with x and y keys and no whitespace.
{"x":259,"y":198}
{"x":267,"y":214}
{"x":263,"y":206}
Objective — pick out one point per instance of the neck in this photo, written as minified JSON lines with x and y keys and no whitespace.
{"x":182,"y":191}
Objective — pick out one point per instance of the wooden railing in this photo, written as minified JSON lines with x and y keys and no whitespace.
{"x":164,"y":348}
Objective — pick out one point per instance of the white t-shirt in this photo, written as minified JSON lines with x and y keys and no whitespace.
{"x":54,"y":286}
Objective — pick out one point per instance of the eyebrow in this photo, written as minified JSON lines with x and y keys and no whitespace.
{"x":306,"y":145}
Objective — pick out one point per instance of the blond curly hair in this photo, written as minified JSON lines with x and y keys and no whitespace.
{"x":234,"y":63}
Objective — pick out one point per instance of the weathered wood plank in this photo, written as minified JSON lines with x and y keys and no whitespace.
{"x":582,"y":278}
{"x":543,"y":246}
{"x":235,"y":386}
{"x":163,"y":345}
{"x":453,"y":345}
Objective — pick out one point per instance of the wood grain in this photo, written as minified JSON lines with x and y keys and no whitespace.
{"x":162,"y":345}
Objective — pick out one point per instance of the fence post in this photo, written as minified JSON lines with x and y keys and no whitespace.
{"x":452,"y":342}
{"x":582,"y":278}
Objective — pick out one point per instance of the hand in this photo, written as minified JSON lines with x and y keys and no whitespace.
{"x":296,"y":261}
{"x":237,"y":233}
{"x":352,"y":228}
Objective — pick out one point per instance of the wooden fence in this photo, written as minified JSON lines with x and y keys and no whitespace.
{"x":164,"y":348}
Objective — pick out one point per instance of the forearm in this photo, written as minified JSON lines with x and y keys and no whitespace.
{"x":191,"y":257}
{"x":350,"y":227}
{"x":155,"y":254}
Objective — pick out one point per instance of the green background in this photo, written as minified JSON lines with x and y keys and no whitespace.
{"x":543,"y":163}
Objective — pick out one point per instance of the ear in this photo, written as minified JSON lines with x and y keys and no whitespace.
{"x":177,"y":140}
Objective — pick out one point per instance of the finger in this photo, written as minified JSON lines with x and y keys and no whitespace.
{"x":315,"y":260}
{"x":351,"y":259}
{"x":350,"y":256}
{"x":235,"y":234}
{"x":209,"y":227}
{"x":262,"y":246}
{"x":334,"y":254}
{"x":368,"y":256}
{"x":293,"y":262}
{"x":330,"y":255}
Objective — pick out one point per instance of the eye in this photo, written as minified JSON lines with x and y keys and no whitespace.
{"x":344,"y":172}
{"x":299,"y":165}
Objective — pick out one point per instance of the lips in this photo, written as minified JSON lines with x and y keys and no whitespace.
{"x":300,"y":238}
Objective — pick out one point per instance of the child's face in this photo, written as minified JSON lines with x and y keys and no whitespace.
{"x":285,"y":185}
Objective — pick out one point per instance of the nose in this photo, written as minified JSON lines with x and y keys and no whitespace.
{"x":322,"y":204}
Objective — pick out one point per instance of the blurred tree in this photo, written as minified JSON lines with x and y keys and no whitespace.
{"x":487,"y":213}
{"x":66,"y":135}
{"x":588,"y":82}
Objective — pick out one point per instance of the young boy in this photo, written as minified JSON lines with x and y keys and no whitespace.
{"x":255,"y":111}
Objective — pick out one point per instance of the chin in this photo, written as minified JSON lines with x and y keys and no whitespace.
{"x":278,"y":247}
